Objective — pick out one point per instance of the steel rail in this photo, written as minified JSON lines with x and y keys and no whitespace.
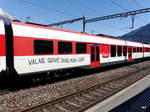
{"x":109,"y":88}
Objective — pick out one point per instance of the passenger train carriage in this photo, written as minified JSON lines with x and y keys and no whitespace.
{"x":28,"y":49}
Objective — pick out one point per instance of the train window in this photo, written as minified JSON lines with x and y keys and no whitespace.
{"x":134,"y":49}
{"x":129,"y":49}
{"x":119,"y":52}
{"x":64,"y":47}
{"x":81,"y":48}
{"x":124,"y":51}
{"x":148,"y":49}
{"x":97,"y":53}
{"x":92,"y":54}
{"x":113,"y":51}
{"x":43,"y":47}
{"x":140,"y":49}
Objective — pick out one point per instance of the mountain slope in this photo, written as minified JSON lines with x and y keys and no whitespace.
{"x":138,"y":35}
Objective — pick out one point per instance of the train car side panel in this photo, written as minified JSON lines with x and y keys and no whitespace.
{"x":135,"y":55}
{"x":30,"y":58}
{"x":2,"y":47}
{"x":32,"y":64}
{"x":105,"y":50}
{"x":146,"y":50}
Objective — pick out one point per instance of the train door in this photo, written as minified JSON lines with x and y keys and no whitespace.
{"x":95,"y":57}
{"x":129,"y":53}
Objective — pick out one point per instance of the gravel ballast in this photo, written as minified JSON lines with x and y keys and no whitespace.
{"x":19,"y":100}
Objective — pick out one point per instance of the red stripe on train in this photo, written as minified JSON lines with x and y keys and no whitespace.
{"x":2,"y":45}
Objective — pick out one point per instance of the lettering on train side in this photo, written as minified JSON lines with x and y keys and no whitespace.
{"x":55,"y":60}
{"x":36,"y":61}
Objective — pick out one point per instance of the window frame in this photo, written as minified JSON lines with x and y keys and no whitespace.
{"x":119,"y":51}
{"x":134,"y":50}
{"x":79,"y":51}
{"x":66,"y":51}
{"x":124,"y":50}
{"x":112,"y":52}
{"x":138,"y":49}
{"x":38,"y":50}
{"x":141,"y":50}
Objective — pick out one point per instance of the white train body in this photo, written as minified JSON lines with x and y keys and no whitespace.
{"x":41,"y":49}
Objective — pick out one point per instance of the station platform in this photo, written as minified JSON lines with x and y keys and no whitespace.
{"x":139,"y":103}
{"x":115,"y":102}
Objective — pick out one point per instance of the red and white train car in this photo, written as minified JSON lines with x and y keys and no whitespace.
{"x":36,"y":48}
{"x":146,"y":50}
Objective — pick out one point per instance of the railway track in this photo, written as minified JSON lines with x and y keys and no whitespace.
{"x":82,"y":100}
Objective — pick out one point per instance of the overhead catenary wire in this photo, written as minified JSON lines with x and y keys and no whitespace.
{"x":62,"y":12}
{"x":117,"y":4}
{"x":68,"y":14}
{"x":137,"y":3}
{"x":125,"y":14}
{"x":65,"y":22}
{"x":48,"y":8}
{"x":84,"y":6}
{"x":92,"y":10}
{"x":55,"y":10}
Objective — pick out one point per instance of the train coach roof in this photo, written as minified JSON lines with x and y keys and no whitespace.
{"x":146,"y":45}
{"x":82,"y":36}
{"x":136,"y":44}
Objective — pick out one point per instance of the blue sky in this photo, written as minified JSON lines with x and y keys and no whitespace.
{"x":51,"y":11}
